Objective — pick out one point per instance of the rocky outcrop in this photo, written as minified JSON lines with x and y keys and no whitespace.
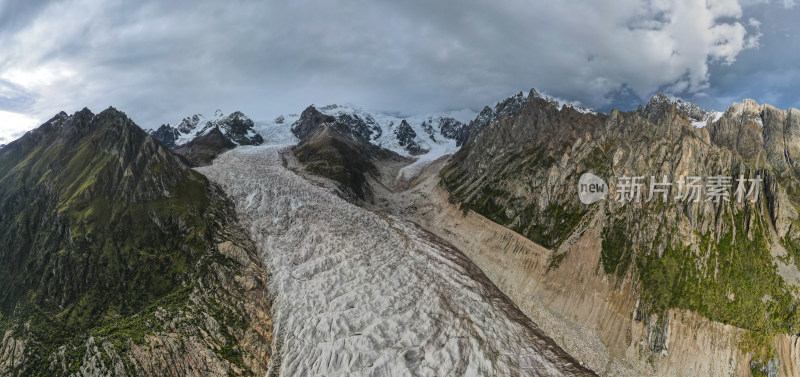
{"x":508,"y":107}
{"x":181,"y":133}
{"x":698,"y":116}
{"x":166,"y":135}
{"x":521,"y":148}
{"x":364,"y":128}
{"x":406,"y":137}
{"x":453,"y":129}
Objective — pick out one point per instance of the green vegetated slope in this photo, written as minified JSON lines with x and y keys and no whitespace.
{"x":522,"y":172}
{"x":101,"y":227}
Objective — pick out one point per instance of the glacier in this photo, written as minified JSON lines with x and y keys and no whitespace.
{"x":364,"y":293}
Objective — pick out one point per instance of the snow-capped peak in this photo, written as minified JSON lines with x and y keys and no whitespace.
{"x":428,"y":136}
{"x":237,"y":127}
{"x":698,"y":116}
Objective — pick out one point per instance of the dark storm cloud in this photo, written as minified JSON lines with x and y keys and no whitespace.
{"x":160,"y":61}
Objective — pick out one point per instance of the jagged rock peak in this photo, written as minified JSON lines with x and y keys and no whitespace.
{"x":660,"y":104}
{"x":407,"y":138}
{"x":746,"y":106}
{"x":83,"y":122}
{"x":510,"y":105}
{"x":405,"y":134}
{"x":167,"y":135}
{"x":236,"y":127}
{"x":310,"y":119}
{"x":189,"y":123}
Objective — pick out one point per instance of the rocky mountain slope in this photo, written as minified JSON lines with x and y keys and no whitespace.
{"x":732,"y":262}
{"x":116,"y":258}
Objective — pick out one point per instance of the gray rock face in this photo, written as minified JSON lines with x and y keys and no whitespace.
{"x":364,"y":128}
{"x":750,"y":129}
{"x":166,"y":135}
{"x":184,"y":131}
{"x":454,"y":129}
{"x":406,"y":136}
{"x":190,"y":124}
{"x":660,"y":102}
{"x":337,"y":151}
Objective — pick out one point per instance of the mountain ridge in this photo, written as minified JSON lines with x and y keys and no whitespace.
{"x":107,"y":244}
{"x":725,"y":260}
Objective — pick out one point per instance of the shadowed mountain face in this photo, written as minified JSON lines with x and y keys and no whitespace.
{"x":98,"y":221}
{"x":333,"y":149}
{"x":729,"y":261}
{"x":203,"y":149}
{"x":201,"y":140}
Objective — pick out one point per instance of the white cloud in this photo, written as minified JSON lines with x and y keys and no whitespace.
{"x":162,"y":60}
{"x":14,"y":125}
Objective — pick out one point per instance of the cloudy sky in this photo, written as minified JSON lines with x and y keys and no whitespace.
{"x":159,"y":61}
